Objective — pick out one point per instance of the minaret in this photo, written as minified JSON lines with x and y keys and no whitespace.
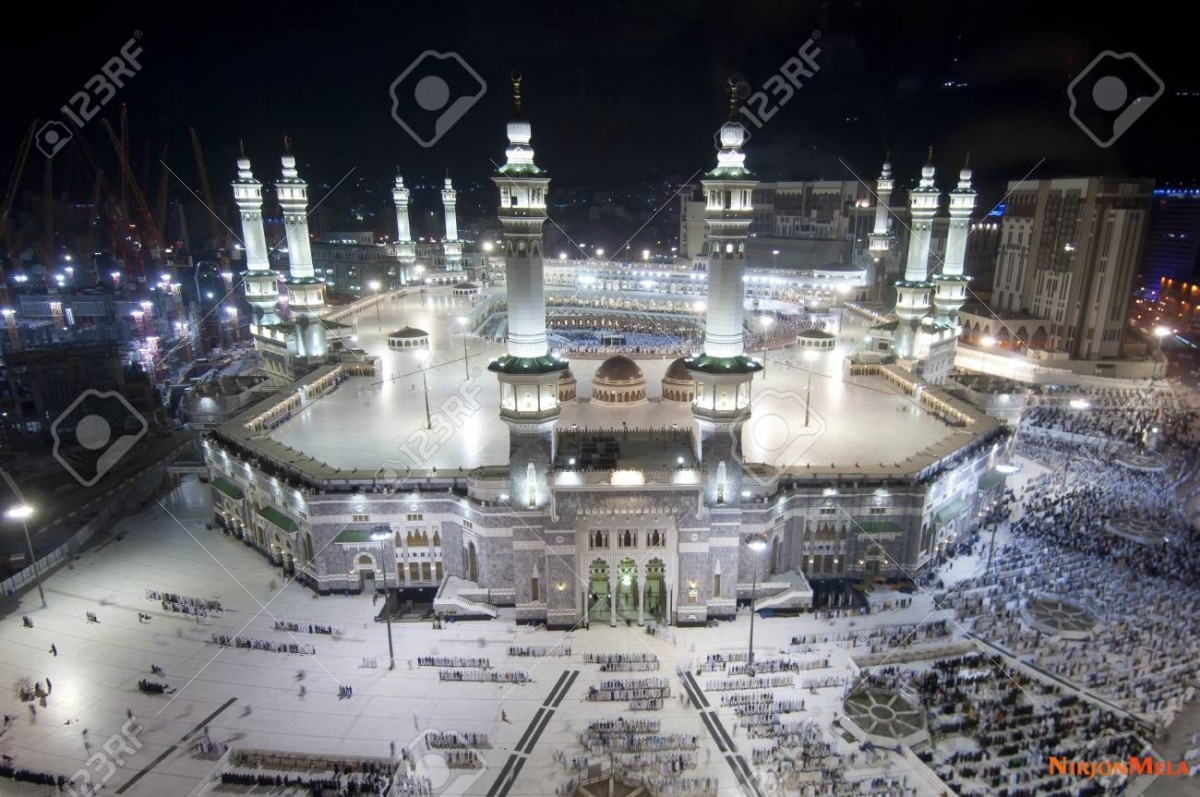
{"x":951,"y":284}
{"x":259,"y":282}
{"x":723,"y":373}
{"x":528,"y":374}
{"x":451,"y":246}
{"x":306,"y":293}
{"x":880,"y":240}
{"x":914,"y":292}
{"x":406,"y":250}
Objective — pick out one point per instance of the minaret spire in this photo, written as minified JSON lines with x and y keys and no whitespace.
{"x":516,"y":94}
{"x":306,"y":293}
{"x":733,"y":100}
{"x":451,"y":246}
{"x":260,"y":285}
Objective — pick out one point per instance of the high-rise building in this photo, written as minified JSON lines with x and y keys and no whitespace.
{"x":1069,"y":253}
{"x":1173,"y":242}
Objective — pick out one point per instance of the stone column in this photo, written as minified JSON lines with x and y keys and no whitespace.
{"x":612,"y":597}
{"x":641,"y":592}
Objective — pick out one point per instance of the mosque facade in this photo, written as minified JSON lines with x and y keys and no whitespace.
{"x":629,"y":521}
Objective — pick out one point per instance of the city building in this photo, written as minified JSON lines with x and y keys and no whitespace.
{"x":1070,"y":250}
{"x":1173,"y":240}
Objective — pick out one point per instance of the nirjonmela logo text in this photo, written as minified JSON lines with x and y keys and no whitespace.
{"x":1147,"y":765}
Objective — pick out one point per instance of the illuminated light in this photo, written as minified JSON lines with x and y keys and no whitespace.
{"x":627,"y":478}
{"x":987,"y":341}
{"x":1080,"y":404}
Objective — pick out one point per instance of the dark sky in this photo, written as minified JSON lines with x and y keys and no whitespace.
{"x":616,"y":91}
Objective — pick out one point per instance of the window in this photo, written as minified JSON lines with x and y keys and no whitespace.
{"x":878,"y":510}
{"x":360,"y":518}
{"x":829,"y":510}
{"x":413,"y":518}
{"x":716,"y":585}
{"x":534,"y":590}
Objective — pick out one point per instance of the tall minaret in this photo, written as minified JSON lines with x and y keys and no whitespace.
{"x":306,"y":293}
{"x":451,"y":246}
{"x":723,"y":373}
{"x":914,"y":293}
{"x":406,"y":250}
{"x":951,"y":284}
{"x":259,"y":282}
{"x":880,"y":240}
{"x":528,"y":374}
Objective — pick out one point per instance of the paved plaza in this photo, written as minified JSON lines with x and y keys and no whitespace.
{"x":375,"y":416}
{"x":251,"y":698}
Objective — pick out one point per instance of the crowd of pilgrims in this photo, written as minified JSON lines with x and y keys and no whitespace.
{"x":1122,"y":416}
{"x":995,"y":728}
{"x":340,"y":779}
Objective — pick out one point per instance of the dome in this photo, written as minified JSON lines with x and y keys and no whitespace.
{"x":678,"y":371}
{"x":618,"y":369}
{"x":408,"y":332}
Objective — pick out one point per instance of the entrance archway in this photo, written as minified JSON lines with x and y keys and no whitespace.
{"x":655,"y":594}
{"x":598,"y":591}
{"x":366,"y":573}
{"x":472,"y":563}
{"x":627,"y":588}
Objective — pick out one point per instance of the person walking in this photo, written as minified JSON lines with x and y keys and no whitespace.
{"x":53,"y":650}
{"x":49,"y":686}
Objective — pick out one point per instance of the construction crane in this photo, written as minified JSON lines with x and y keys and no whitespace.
{"x":164,"y":180}
{"x":214,"y":223}
{"x":10,"y":196}
{"x":150,"y":234}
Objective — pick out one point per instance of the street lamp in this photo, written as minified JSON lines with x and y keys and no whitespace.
{"x":422,"y":356}
{"x":756,"y":547}
{"x":809,"y":357}
{"x":462,"y":320}
{"x":774,"y":258}
{"x":375,"y":286}
{"x":599,"y":252}
{"x":23,"y":512}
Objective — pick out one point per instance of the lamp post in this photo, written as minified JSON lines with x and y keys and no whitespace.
{"x":375,"y":286}
{"x":462,"y":320}
{"x":422,"y":356}
{"x":23,"y":512}
{"x":756,"y":547}
{"x":809,"y":356}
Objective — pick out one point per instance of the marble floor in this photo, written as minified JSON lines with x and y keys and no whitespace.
{"x":373,"y":418}
{"x":250,"y":698}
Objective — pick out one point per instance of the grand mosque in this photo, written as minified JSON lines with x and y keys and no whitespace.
{"x":441,"y":445}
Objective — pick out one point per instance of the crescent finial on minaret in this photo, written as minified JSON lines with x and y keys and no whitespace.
{"x":242,"y":147}
{"x":733,"y":99}
{"x":967,"y":162}
{"x":516,"y":89}
{"x":929,"y":157}
{"x":287,"y":144}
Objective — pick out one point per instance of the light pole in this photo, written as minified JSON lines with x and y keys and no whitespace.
{"x":809,"y":356}
{"x":23,"y":512}
{"x":422,"y":356}
{"x":462,"y":320}
{"x":756,"y":547}
{"x":375,"y":286}
{"x":774,"y":258}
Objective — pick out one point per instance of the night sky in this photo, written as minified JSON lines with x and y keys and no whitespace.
{"x":618,"y":92}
